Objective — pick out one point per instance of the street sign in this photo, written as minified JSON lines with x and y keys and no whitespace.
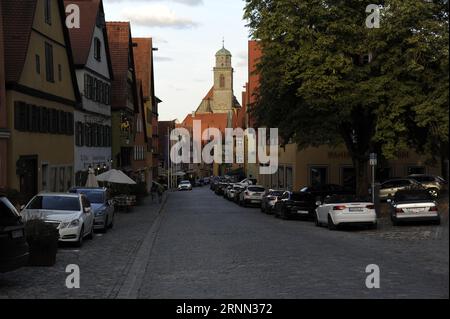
{"x":373,"y":159}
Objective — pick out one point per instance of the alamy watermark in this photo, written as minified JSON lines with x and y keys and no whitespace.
{"x":210,"y":146}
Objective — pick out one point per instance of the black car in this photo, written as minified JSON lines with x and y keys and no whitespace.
{"x":295,"y":204}
{"x":13,"y":244}
{"x":325,"y":190}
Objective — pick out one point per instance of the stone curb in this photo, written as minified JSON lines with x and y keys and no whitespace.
{"x":133,"y":281}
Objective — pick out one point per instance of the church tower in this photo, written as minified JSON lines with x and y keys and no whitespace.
{"x":223,"y":82}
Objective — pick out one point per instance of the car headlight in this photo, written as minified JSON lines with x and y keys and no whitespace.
{"x":74,"y":223}
{"x":100,"y":213}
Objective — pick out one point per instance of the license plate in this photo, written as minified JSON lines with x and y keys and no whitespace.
{"x":17,"y":234}
{"x":356,"y":209}
{"x":255,"y":201}
{"x":303,"y":212}
{"x":415,"y":210}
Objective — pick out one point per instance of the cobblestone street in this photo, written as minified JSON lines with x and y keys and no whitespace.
{"x":212,"y":248}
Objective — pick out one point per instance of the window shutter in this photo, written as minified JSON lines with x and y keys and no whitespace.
{"x":70,"y":124}
{"x":86,"y":85}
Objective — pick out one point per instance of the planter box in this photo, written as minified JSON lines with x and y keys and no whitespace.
{"x":43,"y":255}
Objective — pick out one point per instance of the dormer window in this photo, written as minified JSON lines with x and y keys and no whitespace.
{"x":97,"y":49}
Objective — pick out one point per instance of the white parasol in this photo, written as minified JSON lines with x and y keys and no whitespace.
{"x":115,"y":177}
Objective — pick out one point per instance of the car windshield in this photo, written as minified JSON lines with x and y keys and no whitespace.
{"x":95,"y":197}
{"x":256,"y":189}
{"x":8,"y":214}
{"x":61,"y":203}
{"x":347,"y":199}
{"x":413,"y":196}
{"x":185,"y":182}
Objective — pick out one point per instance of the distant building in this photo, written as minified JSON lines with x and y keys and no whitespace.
{"x":124,"y":100}
{"x":220,"y":98}
{"x":143,"y":56}
{"x":94,"y":73}
{"x":41,"y":94}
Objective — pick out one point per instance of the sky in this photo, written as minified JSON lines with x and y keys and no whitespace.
{"x":187,"y":33}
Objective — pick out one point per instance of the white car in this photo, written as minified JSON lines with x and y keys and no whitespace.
{"x":71,"y":214}
{"x":414,"y":205}
{"x":344,"y":210}
{"x":185,"y":186}
{"x":252,"y":195}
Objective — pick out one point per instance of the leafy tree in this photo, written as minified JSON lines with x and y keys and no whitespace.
{"x":328,"y":79}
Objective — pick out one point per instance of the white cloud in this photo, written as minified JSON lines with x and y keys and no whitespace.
{"x":186,"y":2}
{"x":162,"y":59}
{"x":156,"y":16}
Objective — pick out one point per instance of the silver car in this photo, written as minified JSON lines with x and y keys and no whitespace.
{"x":434,"y":184}
{"x":389,"y":188}
{"x":102,"y":206}
{"x":71,"y":214}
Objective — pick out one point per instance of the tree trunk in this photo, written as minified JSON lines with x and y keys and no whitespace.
{"x":361,"y":165}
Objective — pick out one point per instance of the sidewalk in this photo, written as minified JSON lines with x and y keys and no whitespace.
{"x":104,"y":262}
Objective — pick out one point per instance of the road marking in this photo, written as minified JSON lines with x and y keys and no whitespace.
{"x":133,"y":281}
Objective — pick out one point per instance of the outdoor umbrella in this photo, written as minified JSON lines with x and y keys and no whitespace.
{"x":91,"y":180}
{"x":115,"y":177}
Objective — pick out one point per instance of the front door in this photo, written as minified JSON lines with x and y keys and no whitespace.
{"x":27,"y":170}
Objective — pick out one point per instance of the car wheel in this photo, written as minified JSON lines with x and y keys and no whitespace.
{"x":331,"y":225}
{"x":434,"y":192}
{"x":316,"y":220}
{"x":79,"y":243}
{"x":112,"y":222}
{"x":91,"y":234}
{"x":105,"y":229}
{"x":284,"y":214}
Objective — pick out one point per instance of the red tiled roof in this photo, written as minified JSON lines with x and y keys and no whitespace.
{"x":81,"y":38}
{"x":119,"y":36}
{"x":210,"y":95}
{"x":18,"y":19}
{"x":143,"y":58}
{"x":208,"y":120}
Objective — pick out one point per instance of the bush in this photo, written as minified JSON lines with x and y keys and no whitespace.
{"x":42,"y":239}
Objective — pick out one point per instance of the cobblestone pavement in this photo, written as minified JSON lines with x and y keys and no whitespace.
{"x":202,"y":246}
{"x":104,"y":262}
{"x":214,"y":249}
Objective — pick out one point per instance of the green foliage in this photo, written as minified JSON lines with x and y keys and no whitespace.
{"x":317,"y":89}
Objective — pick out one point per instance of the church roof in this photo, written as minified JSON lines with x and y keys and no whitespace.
{"x":223,"y":51}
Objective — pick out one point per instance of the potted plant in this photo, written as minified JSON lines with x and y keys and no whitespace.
{"x":42,"y":240}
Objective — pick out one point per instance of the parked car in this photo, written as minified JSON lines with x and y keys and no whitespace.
{"x":434,"y":184}
{"x":185,"y":186}
{"x":269,"y":200}
{"x":238,"y":189}
{"x":414,"y":205}
{"x":71,"y":214}
{"x":319,"y":192}
{"x":252,"y":195}
{"x":389,"y":188}
{"x":248,"y":182}
{"x":221,"y":187}
{"x":102,"y":206}
{"x":340,"y":210}
{"x":13,"y":243}
{"x":295,"y":204}
{"x":228,"y":189}
{"x":234,"y":192}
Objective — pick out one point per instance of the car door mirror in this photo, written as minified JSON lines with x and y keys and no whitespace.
{"x":87,"y":210}
{"x":318,"y":203}
{"x":22,"y":207}
{"x":389,"y":201}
